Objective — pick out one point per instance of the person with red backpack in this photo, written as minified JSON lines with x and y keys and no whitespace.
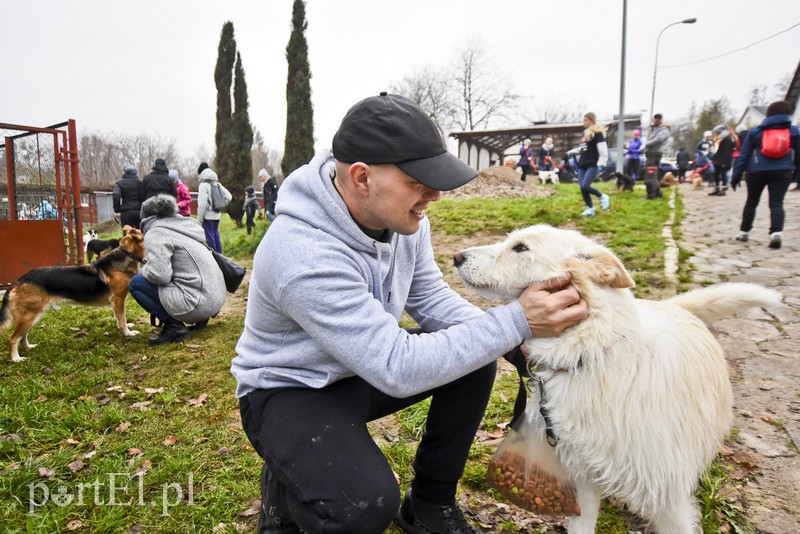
{"x":771,"y":156}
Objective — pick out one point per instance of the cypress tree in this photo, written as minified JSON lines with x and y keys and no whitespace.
{"x":223,"y":77}
{"x":299,"y":140}
{"x":240,"y":166}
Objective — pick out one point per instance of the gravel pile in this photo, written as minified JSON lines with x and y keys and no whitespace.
{"x":500,"y":182}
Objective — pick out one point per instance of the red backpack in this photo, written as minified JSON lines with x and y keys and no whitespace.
{"x":775,"y":143}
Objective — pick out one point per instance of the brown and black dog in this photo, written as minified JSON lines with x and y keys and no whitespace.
{"x":105,"y":280}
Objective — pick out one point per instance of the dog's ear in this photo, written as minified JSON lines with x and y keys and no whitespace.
{"x":601,"y":267}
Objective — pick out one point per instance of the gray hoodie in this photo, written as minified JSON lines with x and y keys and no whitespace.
{"x":190,"y":285}
{"x":325,"y":299}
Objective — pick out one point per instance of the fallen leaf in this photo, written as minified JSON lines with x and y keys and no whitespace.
{"x":151,"y":391}
{"x":199,"y":401}
{"x":253,"y":508}
{"x":743,"y":459}
{"x":133,"y":451}
{"x":141,"y":405}
{"x":102,"y":399}
{"x":170,"y":440}
{"x":201,"y":439}
{"x":74,"y":524}
{"x":191,"y":346}
{"x":143,"y":467}
{"x":71,"y":441}
{"x":224,"y":451}
{"x":89,"y":455}
{"x":46,"y":473}
{"x":41,"y":398}
{"x":114,"y":388}
{"x":221,"y":527}
{"x":122,"y":427}
{"x":766,"y":418}
{"x":76,"y":466}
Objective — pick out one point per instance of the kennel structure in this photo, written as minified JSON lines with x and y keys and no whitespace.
{"x":41,"y":215}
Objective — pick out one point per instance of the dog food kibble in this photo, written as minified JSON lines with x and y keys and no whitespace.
{"x":539,"y":492}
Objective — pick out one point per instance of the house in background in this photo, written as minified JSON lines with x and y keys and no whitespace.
{"x":753,"y":115}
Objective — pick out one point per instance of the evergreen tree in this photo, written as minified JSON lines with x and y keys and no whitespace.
{"x":240,"y":162}
{"x":223,"y":77}
{"x":714,"y":113}
{"x":299,"y":140}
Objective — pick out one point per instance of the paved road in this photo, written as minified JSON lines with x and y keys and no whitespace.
{"x":763,"y":347}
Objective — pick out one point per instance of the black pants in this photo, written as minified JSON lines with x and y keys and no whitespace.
{"x":526,"y":170}
{"x":632,"y":167}
{"x":335,"y":478}
{"x":776,"y":183}
{"x":130,"y":218}
{"x":719,"y":175}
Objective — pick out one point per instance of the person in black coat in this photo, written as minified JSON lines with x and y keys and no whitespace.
{"x":722,"y":160}
{"x":127,"y":198}
{"x":158,"y":182}
{"x":682,"y":161}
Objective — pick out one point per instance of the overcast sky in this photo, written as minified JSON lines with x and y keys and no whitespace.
{"x":147,"y":66}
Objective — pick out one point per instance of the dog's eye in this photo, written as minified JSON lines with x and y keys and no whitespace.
{"x":520,"y":248}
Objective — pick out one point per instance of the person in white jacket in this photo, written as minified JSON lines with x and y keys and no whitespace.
{"x":322,"y":353}
{"x":207,"y":216}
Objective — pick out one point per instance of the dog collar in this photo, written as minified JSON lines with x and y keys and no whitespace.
{"x":137,"y":259}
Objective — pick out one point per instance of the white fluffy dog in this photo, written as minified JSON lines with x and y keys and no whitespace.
{"x":548,"y":176}
{"x":638,"y":393}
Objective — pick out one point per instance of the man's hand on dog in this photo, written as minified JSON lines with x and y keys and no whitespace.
{"x":552,"y":306}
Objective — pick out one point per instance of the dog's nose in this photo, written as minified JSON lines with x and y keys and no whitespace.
{"x":458,"y":259}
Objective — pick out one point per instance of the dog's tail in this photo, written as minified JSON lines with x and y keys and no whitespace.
{"x":721,"y":300}
{"x":4,"y":315}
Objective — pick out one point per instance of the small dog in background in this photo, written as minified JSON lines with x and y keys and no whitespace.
{"x":100,"y":247}
{"x":88,"y":236}
{"x":668,"y":180}
{"x":549,"y":176}
{"x":624,"y":182}
{"x":696,"y":179}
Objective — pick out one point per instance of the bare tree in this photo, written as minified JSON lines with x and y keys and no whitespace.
{"x":432,"y":90}
{"x":484,"y":95}
{"x":102,"y":155}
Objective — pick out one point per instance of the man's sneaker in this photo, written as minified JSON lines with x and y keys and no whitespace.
{"x":742,"y":237}
{"x":604,"y":201}
{"x":588,"y":212}
{"x":272,"y":520}
{"x":775,"y":241}
{"x":419,"y":517}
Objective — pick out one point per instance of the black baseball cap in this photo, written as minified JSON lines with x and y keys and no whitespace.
{"x":387,"y":129}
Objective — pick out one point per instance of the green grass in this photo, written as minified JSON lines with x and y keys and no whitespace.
{"x":87,"y":394}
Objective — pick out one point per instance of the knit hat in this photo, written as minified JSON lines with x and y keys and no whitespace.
{"x":160,"y":165}
{"x":173,"y":173}
{"x":390,"y":129}
{"x":203,"y":166}
{"x":262,"y":172}
{"x":129,"y":168}
{"x":637,"y":132}
{"x":720,"y":128}
{"x":249,"y":190}
{"x":159,"y":206}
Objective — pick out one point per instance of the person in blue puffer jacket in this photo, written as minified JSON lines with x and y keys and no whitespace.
{"x":775,"y":174}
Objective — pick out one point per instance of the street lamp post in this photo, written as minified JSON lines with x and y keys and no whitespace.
{"x":655,"y":68}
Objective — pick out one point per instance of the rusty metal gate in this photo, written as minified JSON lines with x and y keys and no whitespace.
{"x":40,"y":199}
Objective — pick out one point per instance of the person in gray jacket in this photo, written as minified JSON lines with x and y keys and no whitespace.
{"x":180,"y":281}
{"x":657,"y":140}
{"x":322,"y":353}
{"x":205,"y":214}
